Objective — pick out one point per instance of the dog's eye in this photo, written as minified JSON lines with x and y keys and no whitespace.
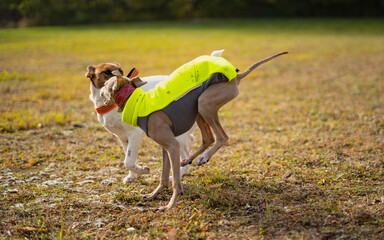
{"x":108,"y":72}
{"x":121,"y":71}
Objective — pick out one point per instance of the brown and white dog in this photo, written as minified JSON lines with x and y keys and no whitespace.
{"x":159,"y":126}
{"x":130,"y":137}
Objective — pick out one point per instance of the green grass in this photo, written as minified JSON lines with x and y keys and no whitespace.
{"x":304,"y":159}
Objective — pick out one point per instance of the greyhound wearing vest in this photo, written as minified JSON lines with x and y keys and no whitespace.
{"x":160,"y":125}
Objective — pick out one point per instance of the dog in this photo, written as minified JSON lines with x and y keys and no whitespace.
{"x":193,"y":93}
{"x":130,"y":137}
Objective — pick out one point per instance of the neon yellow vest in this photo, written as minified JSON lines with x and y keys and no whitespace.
{"x":186,"y":77}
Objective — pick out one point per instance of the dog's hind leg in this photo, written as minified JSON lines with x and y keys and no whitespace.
{"x":221,"y":139}
{"x":213,"y":98}
{"x":207,"y":140}
{"x":210,"y":102}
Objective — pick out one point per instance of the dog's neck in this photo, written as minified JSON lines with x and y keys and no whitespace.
{"x":95,"y":96}
{"x":98,"y":101}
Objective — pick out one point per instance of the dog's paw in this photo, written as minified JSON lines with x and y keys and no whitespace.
{"x":162,"y":209}
{"x":127,"y":180}
{"x":147,"y":170}
{"x":185,"y":162}
{"x":204,"y":158}
{"x":130,"y":178}
{"x":149,"y":197}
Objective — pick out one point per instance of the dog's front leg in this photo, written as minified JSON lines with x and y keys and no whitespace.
{"x":131,"y":152}
{"x":164,"y":179}
{"x":160,"y":130}
{"x":174,"y":153}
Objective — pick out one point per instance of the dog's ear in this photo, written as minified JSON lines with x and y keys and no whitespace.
{"x":90,"y":71}
{"x":137,"y":82}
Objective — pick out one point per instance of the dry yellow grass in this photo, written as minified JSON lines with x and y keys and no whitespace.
{"x":304,"y":160}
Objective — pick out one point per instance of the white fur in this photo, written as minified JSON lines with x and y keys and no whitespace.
{"x":217,"y":53}
{"x":130,"y":137}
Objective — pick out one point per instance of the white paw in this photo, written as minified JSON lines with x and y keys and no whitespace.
{"x":202,"y":159}
{"x":130,"y":178}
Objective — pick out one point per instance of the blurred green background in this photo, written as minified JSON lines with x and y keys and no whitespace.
{"x":59,"y":12}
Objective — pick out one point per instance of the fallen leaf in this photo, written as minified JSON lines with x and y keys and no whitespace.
{"x":30,"y":229}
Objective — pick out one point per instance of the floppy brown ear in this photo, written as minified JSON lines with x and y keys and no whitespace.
{"x":90,"y":71}
{"x":137,"y":82}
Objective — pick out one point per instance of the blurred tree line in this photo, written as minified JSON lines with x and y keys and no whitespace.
{"x":59,"y":12}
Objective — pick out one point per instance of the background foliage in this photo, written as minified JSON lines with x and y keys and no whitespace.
{"x":58,"y":12}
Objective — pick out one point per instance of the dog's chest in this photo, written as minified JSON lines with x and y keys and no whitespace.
{"x":110,"y":120}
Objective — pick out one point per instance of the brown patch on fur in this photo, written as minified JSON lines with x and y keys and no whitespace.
{"x":99,"y":74}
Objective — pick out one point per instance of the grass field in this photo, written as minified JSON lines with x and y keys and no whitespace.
{"x":305,"y":158}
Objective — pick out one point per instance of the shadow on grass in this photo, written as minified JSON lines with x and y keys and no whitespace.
{"x":273,"y":206}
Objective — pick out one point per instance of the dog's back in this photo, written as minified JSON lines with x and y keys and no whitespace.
{"x":180,"y":83}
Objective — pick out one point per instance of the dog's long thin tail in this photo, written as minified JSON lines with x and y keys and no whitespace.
{"x":254,"y":66}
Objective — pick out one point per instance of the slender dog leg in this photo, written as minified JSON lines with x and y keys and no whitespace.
{"x":176,"y":178}
{"x":160,"y":130}
{"x":221,"y":139}
{"x":164,"y":179}
{"x":207,"y":140}
{"x":209,"y":104}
